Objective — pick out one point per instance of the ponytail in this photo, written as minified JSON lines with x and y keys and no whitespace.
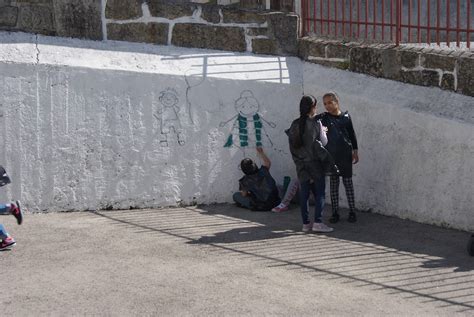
{"x":306,"y":104}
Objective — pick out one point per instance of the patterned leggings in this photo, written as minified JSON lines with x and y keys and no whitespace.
{"x":334,"y":187}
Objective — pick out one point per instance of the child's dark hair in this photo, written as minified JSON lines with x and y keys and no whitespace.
{"x":333,"y":95}
{"x":306,"y":104}
{"x":248,"y":166}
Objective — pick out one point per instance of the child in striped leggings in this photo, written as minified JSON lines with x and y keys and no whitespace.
{"x":342,"y":144}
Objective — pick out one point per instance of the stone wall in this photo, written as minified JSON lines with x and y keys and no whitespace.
{"x":446,"y":69}
{"x":202,"y":26}
{"x":68,"y":18}
{"x":240,"y":27}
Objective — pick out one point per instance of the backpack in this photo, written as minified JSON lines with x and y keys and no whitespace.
{"x":4,"y":179}
{"x":293,"y":134}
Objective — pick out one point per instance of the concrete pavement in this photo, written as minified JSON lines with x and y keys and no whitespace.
{"x":223,"y":260}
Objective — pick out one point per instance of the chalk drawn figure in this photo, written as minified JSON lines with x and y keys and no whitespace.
{"x":248,"y":123}
{"x":168,"y":116}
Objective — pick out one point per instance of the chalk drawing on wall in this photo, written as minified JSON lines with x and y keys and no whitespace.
{"x":191,"y":82}
{"x":248,"y":129}
{"x":168,"y":116}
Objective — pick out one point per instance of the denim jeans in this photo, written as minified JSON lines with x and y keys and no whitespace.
{"x":4,"y":210}
{"x":242,"y":201}
{"x":318,"y":188}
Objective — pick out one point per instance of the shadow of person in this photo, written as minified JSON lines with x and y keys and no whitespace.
{"x":435,"y":246}
{"x":244,"y":234}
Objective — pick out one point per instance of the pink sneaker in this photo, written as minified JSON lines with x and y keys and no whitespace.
{"x":280,"y":208}
{"x":321,"y":227}
{"x":16,"y":211}
{"x":307,"y":227}
{"x":7,"y":242}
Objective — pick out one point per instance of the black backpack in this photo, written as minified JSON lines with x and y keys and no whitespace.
{"x":4,"y":179}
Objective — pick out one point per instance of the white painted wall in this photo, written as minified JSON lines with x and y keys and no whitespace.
{"x":416,"y":146}
{"x":81,"y":128}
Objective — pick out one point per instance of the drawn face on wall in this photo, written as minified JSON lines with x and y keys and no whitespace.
{"x":246,"y":105}
{"x":168,"y":98}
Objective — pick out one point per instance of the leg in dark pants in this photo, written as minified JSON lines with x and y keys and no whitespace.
{"x":318,"y":189}
{"x":242,"y":201}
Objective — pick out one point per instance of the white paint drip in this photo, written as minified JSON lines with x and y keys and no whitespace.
{"x":249,"y":38}
{"x":146,"y":11}
{"x":103,"y":20}
{"x":221,"y":16}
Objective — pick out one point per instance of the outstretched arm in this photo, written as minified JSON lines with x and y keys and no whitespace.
{"x":223,"y":123}
{"x":272,"y":124}
{"x":266,"y":161}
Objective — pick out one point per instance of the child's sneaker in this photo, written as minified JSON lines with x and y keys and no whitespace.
{"x":280,"y":208}
{"x":321,"y":227}
{"x":306,"y":227}
{"x":7,"y":243}
{"x":15,"y":210}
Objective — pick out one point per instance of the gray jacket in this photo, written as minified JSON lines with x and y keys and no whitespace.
{"x":310,"y":157}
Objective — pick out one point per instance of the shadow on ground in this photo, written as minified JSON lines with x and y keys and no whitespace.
{"x":421,"y":262}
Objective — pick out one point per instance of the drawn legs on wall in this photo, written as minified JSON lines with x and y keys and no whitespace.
{"x":168,"y":117}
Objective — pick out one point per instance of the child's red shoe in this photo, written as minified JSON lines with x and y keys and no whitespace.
{"x":7,"y":243}
{"x":16,"y":211}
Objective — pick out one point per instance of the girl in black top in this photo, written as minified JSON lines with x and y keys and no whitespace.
{"x":342,"y":144}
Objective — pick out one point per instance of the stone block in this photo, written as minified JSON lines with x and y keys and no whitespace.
{"x":447,"y":81}
{"x":391,"y":63}
{"x":338,"y":50}
{"x":423,"y":77}
{"x":252,"y":4}
{"x":465,"y":76}
{"x":307,"y":48}
{"x":36,"y":19}
{"x":257,"y":31}
{"x":284,"y":29}
{"x":170,"y":10}
{"x":209,"y":36}
{"x":233,"y":15}
{"x":48,"y":2}
{"x":366,"y":60}
{"x":409,"y":59}
{"x":210,"y":13}
{"x":78,"y":18}
{"x":435,"y":61}
{"x":155,"y":33}
{"x":344,"y":65}
{"x":8,"y":16}
{"x":123,"y":10}
{"x":264,"y":46}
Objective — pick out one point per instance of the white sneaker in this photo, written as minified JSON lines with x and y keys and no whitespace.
{"x":321,"y":227}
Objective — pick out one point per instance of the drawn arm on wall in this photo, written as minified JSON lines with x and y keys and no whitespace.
{"x":248,"y":124}
{"x":168,"y":117}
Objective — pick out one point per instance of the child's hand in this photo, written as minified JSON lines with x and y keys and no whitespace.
{"x":355,"y":157}
{"x":260,"y":150}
